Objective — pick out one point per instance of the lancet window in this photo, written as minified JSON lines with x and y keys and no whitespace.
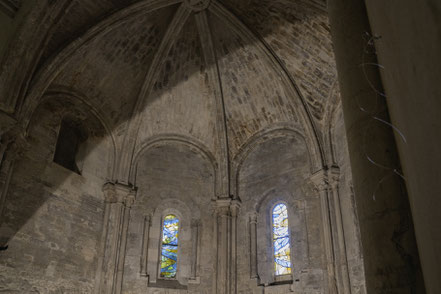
{"x":169,"y":247}
{"x":281,"y":240}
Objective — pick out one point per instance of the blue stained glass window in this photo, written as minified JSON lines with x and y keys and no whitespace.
{"x":281,"y":240}
{"x":169,"y":250}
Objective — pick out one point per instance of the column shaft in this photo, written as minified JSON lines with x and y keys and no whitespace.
{"x":195,"y":237}
{"x":145,"y":246}
{"x":338,"y":232}
{"x":128,"y":201}
{"x":253,"y":245}
{"x":223,"y":245}
{"x":329,"y":248}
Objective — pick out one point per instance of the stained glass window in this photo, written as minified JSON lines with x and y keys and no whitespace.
{"x":169,"y":250}
{"x":281,"y":242}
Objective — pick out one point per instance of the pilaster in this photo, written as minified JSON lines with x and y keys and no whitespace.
{"x":338,"y":231}
{"x":223,"y":217}
{"x":118,"y":202}
{"x":253,"y":245}
{"x":145,"y":246}
{"x":327,"y":184}
{"x":321,"y":182}
{"x":234,"y":210}
{"x":196,"y":247}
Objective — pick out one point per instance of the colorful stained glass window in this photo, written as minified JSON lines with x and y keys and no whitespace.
{"x":281,"y":242}
{"x":169,"y":250}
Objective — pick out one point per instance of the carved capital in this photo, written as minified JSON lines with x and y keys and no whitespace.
{"x":129,"y":200}
{"x":334,"y":175}
{"x":253,"y":218}
{"x":234,"y":207}
{"x":14,"y":142}
{"x":222,"y":207}
{"x":109,"y":193}
{"x":320,"y":180}
{"x":197,"y":5}
{"x":119,"y":193}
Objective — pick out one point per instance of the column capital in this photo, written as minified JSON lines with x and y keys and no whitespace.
{"x":320,"y":180}
{"x":222,"y":206}
{"x":334,"y":174}
{"x":109,"y":193}
{"x":15,"y":142}
{"x":253,"y":217}
{"x":235,"y":206}
{"x":120,"y":193}
{"x":129,"y":200}
{"x":326,"y":177}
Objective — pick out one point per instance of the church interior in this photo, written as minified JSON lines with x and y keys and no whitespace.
{"x":220,"y":146}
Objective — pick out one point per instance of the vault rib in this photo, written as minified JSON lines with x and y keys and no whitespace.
{"x":215,"y":80}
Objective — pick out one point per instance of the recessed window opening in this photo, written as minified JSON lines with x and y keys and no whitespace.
{"x":281,"y":240}
{"x":169,"y":248}
{"x":70,"y":138}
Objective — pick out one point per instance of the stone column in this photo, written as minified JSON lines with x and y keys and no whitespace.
{"x":145,"y":246}
{"x":119,"y":199}
{"x":386,"y":228}
{"x":320,"y":180}
{"x":128,"y":202}
{"x":234,"y":210}
{"x":223,"y":217}
{"x":109,"y":198}
{"x":253,"y":245}
{"x":338,"y":232}
{"x":195,"y":239}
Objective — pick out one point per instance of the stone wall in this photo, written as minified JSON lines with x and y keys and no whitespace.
{"x":53,"y":217}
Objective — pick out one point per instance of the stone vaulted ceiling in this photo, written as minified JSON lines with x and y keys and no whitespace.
{"x":218,"y":71}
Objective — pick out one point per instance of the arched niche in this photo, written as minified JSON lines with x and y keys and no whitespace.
{"x":171,"y":176}
{"x":276,"y":168}
{"x":96,"y":154}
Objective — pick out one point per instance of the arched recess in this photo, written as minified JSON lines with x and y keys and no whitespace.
{"x":68,"y":102}
{"x":298,"y":235}
{"x":276,"y":166}
{"x":172,"y":174}
{"x":187,"y":213}
{"x":278,"y":131}
{"x":173,"y":139}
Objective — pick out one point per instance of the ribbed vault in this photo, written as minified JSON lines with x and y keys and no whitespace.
{"x":218,"y":72}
